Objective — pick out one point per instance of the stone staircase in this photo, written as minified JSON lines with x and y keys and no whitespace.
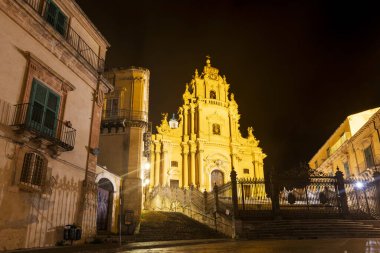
{"x":309,"y":229}
{"x":166,"y":226}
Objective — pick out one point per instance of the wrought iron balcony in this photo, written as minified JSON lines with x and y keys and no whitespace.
{"x":123,"y":118}
{"x":84,"y":50}
{"x":41,"y":125}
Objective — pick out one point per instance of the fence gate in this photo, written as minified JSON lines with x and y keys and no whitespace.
{"x":361,"y":199}
{"x":318,"y":199}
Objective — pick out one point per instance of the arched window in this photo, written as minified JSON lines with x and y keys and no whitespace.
{"x":33,"y":169}
{"x":212,"y":94}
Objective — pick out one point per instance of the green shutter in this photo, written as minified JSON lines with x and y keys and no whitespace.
{"x":44,"y":109}
{"x":51,"y":12}
{"x":56,"y":17}
{"x":61,"y":23}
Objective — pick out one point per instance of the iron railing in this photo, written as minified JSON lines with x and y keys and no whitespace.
{"x":361,"y":198}
{"x":35,"y":120}
{"x":84,"y":50}
{"x":125,"y":114}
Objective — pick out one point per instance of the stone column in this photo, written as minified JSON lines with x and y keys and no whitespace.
{"x":201,"y":171}
{"x":199,"y":119}
{"x":185,"y":121}
{"x":157,"y":164}
{"x":164,"y":165}
{"x":233,"y":158}
{"x":185,"y":163}
{"x":152,"y":167}
{"x":192,"y":162}
{"x":200,"y":165}
{"x":192,"y":132}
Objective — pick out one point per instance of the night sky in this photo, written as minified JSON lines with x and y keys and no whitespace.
{"x":297,"y":69}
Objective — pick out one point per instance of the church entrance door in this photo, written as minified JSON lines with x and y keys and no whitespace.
{"x":217,"y":178}
{"x":104,"y":210}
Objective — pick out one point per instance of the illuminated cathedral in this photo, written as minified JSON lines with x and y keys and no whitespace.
{"x":201,"y":146}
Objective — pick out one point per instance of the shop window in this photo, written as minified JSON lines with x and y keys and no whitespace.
{"x":246,"y":171}
{"x":174,"y":163}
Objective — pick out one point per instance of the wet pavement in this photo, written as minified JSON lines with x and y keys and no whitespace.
{"x":279,"y":246}
{"x":354,"y":245}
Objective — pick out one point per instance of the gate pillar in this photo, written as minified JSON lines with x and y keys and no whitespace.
{"x":341,"y":192}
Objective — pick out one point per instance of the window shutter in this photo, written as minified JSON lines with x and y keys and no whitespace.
{"x":56,"y":17}
{"x":61,"y":23}
{"x":51,"y":12}
{"x":51,"y":112}
{"x":44,"y":110}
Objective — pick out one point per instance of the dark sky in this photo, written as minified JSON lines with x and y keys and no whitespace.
{"x":297,"y":68}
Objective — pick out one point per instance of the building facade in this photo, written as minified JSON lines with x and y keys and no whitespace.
{"x":354,"y":147}
{"x":202,"y":146}
{"x":123,"y":127}
{"x":50,"y":111}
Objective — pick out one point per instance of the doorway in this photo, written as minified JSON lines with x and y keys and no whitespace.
{"x":104,"y":209}
{"x":217,"y":178}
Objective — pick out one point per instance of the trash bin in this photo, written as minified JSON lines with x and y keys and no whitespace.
{"x":72,"y":233}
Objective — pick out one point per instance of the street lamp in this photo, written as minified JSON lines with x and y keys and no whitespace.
{"x":359,"y":185}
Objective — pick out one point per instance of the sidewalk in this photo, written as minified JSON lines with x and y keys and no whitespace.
{"x":114,"y":247}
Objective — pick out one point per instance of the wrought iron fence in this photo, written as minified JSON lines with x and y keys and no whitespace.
{"x":362,"y":198}
{"x":318,"y":198}
{"x":72,"y":37}
{"x":224,"y":198}
{"x":35,"y":120}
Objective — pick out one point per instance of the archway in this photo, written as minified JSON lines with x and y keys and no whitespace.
{"x":217,"y":177}
{"x":105,"y":199}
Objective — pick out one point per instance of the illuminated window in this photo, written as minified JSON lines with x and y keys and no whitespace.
{"x":216,"y":129}
{"x":246,"y":171}
{"x":174,"y":163}
{"x":33,"y":170}
{"x":346,"y":169}
{"x":212,"y":94}
{"x":368,"y":157}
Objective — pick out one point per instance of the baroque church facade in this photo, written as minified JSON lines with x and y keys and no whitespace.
{"x":204,"y":144}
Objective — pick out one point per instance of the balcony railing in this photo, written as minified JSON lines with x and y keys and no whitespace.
{"x":38,"y":123}
{"x":125,"y":114}
{"x":84,"y":50}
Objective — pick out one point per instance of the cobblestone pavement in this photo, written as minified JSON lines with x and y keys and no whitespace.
{"x":278,"y":246}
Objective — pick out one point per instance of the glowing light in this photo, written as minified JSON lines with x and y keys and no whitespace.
{"x":147,"y":166}
{"x":146,"y":182}
{"x":359,"y":185}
